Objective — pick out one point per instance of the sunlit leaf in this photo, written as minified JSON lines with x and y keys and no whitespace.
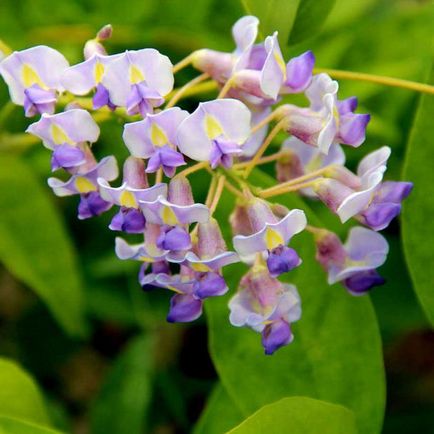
{"x":15,"y":426}
{"x":19,"y":394}
{"x":417,"y":221}
{"x":336,"y":355}
{"x":299,"y":415}
{"x":35,"y":246}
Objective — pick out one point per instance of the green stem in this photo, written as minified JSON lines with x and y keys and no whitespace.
{"x":378,"y":79}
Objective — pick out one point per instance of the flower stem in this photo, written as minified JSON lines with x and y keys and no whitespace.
{"x":218,"y":193}
{"x":194,"y":168}
{"x":378,"y":79}
{"x":281,"y":189}
{"x":182,"y":91}
{"x":211,"y":190}
{"x":271,"y":117}
{"x":263,"y":160}
{"x":233,"y":190}
{"x":183,"y":63}
{"x":159,"y":176}
{"x":226,"y":88}
{"x":252,"y":163}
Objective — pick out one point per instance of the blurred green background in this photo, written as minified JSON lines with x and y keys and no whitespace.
{"x":105,"y":360}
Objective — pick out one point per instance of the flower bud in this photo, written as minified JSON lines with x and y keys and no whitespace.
{"x":180,"y":192}
{"x":134,"y":173}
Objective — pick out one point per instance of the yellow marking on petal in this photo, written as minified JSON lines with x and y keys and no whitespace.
{"x":59,"y":136}
{"x":213,"y":128}
{"x":201,"y":268}
{"x":280,"y":62}
{"x":98,"y":72}
{"x":136,"y":76}
{"x":158,"y":137}
{"x":83,"y":185}
{"x":31,"y":77}
{"x":128,"y":200}
{"x":172,"y":288}
{"x":168,"y":216}
{"x":272,"y":238}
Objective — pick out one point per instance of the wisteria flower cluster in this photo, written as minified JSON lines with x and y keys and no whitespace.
{"x":181,"y":247}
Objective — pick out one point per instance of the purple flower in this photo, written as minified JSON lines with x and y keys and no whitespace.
{"x":302,"y":159}
{"x":271,"y":237}
{"x":355,"y":262}
{"x":85,"y":184}
{"x":267,"y":306}
{"x":373,"y":203}
{"x":155,"y":138}
{"x":298,"y":73}
{"x":327,"y":120}
{"x":220,"y":65}
{"x":215,"y":132}
{"x":33,"y":78}
{"x":139,"y":80}
{"x":65,"y":133}
{"x":80,"y":79}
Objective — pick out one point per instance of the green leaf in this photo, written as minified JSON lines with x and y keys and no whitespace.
{"x":122,"y":404}
{"x":19,"y":394}
{"x":211,"y":420}
{"x":15,"y":426}
{"x":311,"y":15}
{"x":336,"y":355}
{"x":417,"y":221}
{"x":299,"y":415}
{"x":35,"y":246}
{"x":274,"y":15}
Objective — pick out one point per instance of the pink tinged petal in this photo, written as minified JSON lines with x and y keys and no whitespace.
{"x":332,"y":192}
{"x":134,"y":173}
{"x":352,"y":129}
{"x":161,"y":211}
{"x":227,"y":118}
{"x":320,"y":86}
{"x":299,"y":73}
{"x":272,"y":234}
{"x":373,"y":162}
{"x":366,"y":250}
{"x":210,"y":240}
{"x":241,"y":312}
{"x":356,"y":202}
{"x":86,"y":182}
{"x":180,"y":192}
{"x":288,"y":304}
{"x":184,"y":308}
{"x":70,"y":127}
{"x":128,"y":196}
{"x":217,"y":64}
{"x":39,"y":65}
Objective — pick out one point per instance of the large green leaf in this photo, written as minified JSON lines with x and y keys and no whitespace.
{"x":274,"y":15}
{"x":211,"y":420}
{"x":336,"y":355}
{"x":19,"y":395}
{"x":311,"y":15}
{"x":35,"y":246}
{"x":299,"y":415}
{"x":122,"y":404}
{"x":417,"y":221}
{"x":15,"y":426}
